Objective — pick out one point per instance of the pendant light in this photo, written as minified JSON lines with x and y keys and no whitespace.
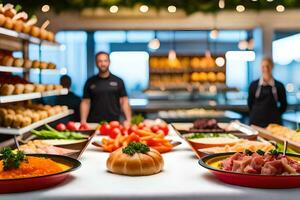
{"x":154,"y":43}
{"x":172,"y":53}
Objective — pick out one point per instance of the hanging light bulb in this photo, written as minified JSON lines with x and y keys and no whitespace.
{"x":214,"y":34}
{"x":243,"y":45}
{"x":171,"y":9}
{"x":221,"y":4}
{"x":280,"y":8}
{"x":207,"y":53}
{"x":114,"y":9}
{"x":172,"y":55}
{"x":154,"y":44}
{"x":45,"y":8}
{"x":144,"y":8}
{"x":240,"y":8}
{"x":220,"y":61}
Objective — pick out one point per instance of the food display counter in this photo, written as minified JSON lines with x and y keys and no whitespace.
{"x":182,"y":178}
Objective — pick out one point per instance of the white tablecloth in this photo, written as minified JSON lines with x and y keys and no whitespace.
{"x":182,"y":178}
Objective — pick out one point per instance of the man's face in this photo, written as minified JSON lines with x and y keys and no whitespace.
{"x":102,"y":62}
{"x":266,"y":68}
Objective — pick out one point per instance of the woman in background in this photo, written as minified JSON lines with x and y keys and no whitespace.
{"x":267,"y":97}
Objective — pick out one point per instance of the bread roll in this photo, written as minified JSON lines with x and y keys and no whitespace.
{"x":36,"y":64}
{"x":139,"y":164}
{"x":49,"y":87}
{"x":27,"y":64}
{"x":8,"y":23}
{"x":19,"y":88}
{"x":43,"y":34}
{"x":18,"y":62}
{"x":58,"y":87}
{"x":18,"y":25}
{"x":8,"y":120}
{"x":43,"y":65}
{"x":2,"y":20}
{"x":39,"y":88}
{"x":26,"y":29}
{"x":50,"y":36}
{"x":35,"y":31}
{"x":29,"y":88}
{"x":7,"y":61}
{"x":7,"y":89}
{"x":51,"y":66}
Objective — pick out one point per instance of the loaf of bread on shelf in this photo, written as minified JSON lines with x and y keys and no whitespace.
{"x":18,"y":62}
{"x":27,"y":63}
{"x":8,"y":10}
{"x":19,"y":88}
{"x":49,"y":87}
{"x":35,"y":31}
{"x":36,"y":64}
{"x":43,"y":65}
{"x":7,"y":61}
{"x":7,"y":89}
{"x":51,"y":66}
{"x":43,"y":34}
{"x":57,"y":87}
{"x":50,"y":36}
{"x":39,"y":88}
{"x":8,"y":23}
{"x":29,"y":88}
{"x":2,"y":20}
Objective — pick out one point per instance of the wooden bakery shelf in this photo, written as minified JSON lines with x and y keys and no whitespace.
{"x":20,"y":131}
{"x":29,"y":96}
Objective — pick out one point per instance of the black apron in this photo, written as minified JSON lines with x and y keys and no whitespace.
{"x":265,"y":110}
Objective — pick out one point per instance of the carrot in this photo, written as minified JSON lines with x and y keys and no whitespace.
{"x":161,"y":148}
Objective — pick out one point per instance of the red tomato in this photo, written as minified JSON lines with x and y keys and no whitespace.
{"x":115,"y":131}
{"x":155,"y":128}
{"x":160,"y":131}
{"x":71,"y":126}
{"x":60,"y":127}
{"x":164,"y":128}
{"x":141,"y":125}
{"x":132,"y":129}
{"x":105,"y":129}
{"x":84,"y":127}
{"x":114,"y":124}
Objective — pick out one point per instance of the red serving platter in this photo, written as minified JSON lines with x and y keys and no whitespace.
{"x":250,"y":180}
{"x":40,"y":182}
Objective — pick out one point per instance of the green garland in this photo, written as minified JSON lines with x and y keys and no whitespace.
{"x":189,"y":6}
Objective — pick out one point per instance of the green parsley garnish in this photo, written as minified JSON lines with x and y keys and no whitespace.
{"x":260,"y":152}
{"x":135,"y":147}
{"x":136,"y":119}
{"x":12,"y":160}
{"x":248,"y":152}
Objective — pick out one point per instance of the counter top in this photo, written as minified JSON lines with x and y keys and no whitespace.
{"x":182,"y":178}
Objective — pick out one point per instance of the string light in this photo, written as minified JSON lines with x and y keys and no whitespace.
{"x":144,"y":8}
{"x":172,"y":9}
{"x":114,"y":9}
{"x":280,"y":8}
{"x":221,"y":4}
{"x":269,"y":0}
{"x":240,"y":8}
{"x":45,"y":8}
{"x":254,"y":0}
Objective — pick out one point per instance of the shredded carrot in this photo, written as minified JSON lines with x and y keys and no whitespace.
{"x":34,"y":166}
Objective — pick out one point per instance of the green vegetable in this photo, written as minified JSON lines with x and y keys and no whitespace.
{"x":51,"y":133}
{"x":274,"y":152}
{"x":18,"y":7}
{"x":260,"y":152}
{"x":135,"y":147}
{"x":211,"y":135}
{"x":248,"y":152}
{"x":12,"y":160}
{"x":136,"y":119}
{"x":280,"y":148}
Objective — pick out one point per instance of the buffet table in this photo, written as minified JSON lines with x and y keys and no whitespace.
{"x":182,"y":178}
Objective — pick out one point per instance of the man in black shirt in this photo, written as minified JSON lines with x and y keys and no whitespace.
{"x":104,"y":95}
{"x":267,"y":97}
